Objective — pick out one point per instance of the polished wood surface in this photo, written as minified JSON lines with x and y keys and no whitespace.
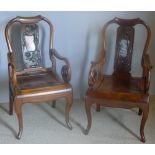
{"x":37,"y":85}
{"x":121,"y":89}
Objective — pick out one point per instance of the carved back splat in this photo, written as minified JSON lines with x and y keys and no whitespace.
{"x":124,"y":49}
{"x":31,"y":53}
{"x":32,"y":56}
{"x":124,"y":45}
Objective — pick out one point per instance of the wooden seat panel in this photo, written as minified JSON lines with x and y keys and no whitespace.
{"x":38,"y":80}
{"x":130,"y":90}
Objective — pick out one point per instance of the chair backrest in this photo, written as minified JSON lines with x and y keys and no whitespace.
{"x":124,"y":43}
{"x":29,"y":40}
{"x":32,"y":56}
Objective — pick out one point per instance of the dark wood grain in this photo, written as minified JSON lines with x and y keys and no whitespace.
{"x":120,"y":90}
{"x":37,"y":85}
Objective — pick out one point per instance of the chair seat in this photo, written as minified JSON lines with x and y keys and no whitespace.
{"x":125,"y":90}
{"x":36,"y":82}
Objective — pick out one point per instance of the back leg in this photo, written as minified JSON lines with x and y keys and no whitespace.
{"x":140,"y":112}
{"x":10,"y":100}
{"x":54,"y":104}
{"x":98,"y":107}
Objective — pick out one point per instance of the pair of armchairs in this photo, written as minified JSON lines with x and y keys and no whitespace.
{"x":34,"y":83}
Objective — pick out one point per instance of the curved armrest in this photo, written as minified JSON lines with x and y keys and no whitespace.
{"x":95,"y":75}
{"x":66,"y":69}
{"x":12,"y":69}
{"x":146,"y":64}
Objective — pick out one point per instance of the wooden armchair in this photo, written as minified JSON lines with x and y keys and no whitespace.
{"x":121,"y":89}
{"x":35,"y":83}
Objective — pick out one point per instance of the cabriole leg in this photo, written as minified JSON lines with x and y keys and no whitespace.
{"x":69,"y":103}
{"x":18,"y":109}
{"x":145,"y":111}
{"x":88,"y":105}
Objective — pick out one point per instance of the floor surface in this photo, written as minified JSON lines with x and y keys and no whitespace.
{"x":44,"y":124}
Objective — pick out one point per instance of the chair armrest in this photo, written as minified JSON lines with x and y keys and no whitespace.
{"x":146,"y":64}
{"x":97,"y":63}
{"x":12,"y":69}
{"x":95,"y":75}
{"x":66,"y":69}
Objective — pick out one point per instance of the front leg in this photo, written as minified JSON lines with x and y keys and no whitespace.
{"x":88,"y":105}
{"x":18,"y":109}
{"x":69,"y":103}
{"x":145,"y":111}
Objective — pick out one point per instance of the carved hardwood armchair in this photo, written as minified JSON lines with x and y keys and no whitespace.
{"x":121,"y":89}
{"x":35,"y":83}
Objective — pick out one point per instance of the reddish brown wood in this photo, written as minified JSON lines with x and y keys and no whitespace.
{"x":37,"y":85}
{"x":123,"y":60}
{"x":120,"y":90}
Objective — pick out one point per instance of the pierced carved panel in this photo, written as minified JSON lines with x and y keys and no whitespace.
{"x":32,"y":57}
{"x":124,"y":48}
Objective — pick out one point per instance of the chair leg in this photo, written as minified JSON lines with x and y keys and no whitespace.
{"x":54,"y":104}
{"x":97,"y":107}
{"x":88,"y":113}
{"x":20,"y":120}
{"x":69,"y":103}
{"x":18,"y":109}
{"x":10,"y":101}
{"x":145,"y":112}
{"x":140,"y":112}
{"x":10,"y":105}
